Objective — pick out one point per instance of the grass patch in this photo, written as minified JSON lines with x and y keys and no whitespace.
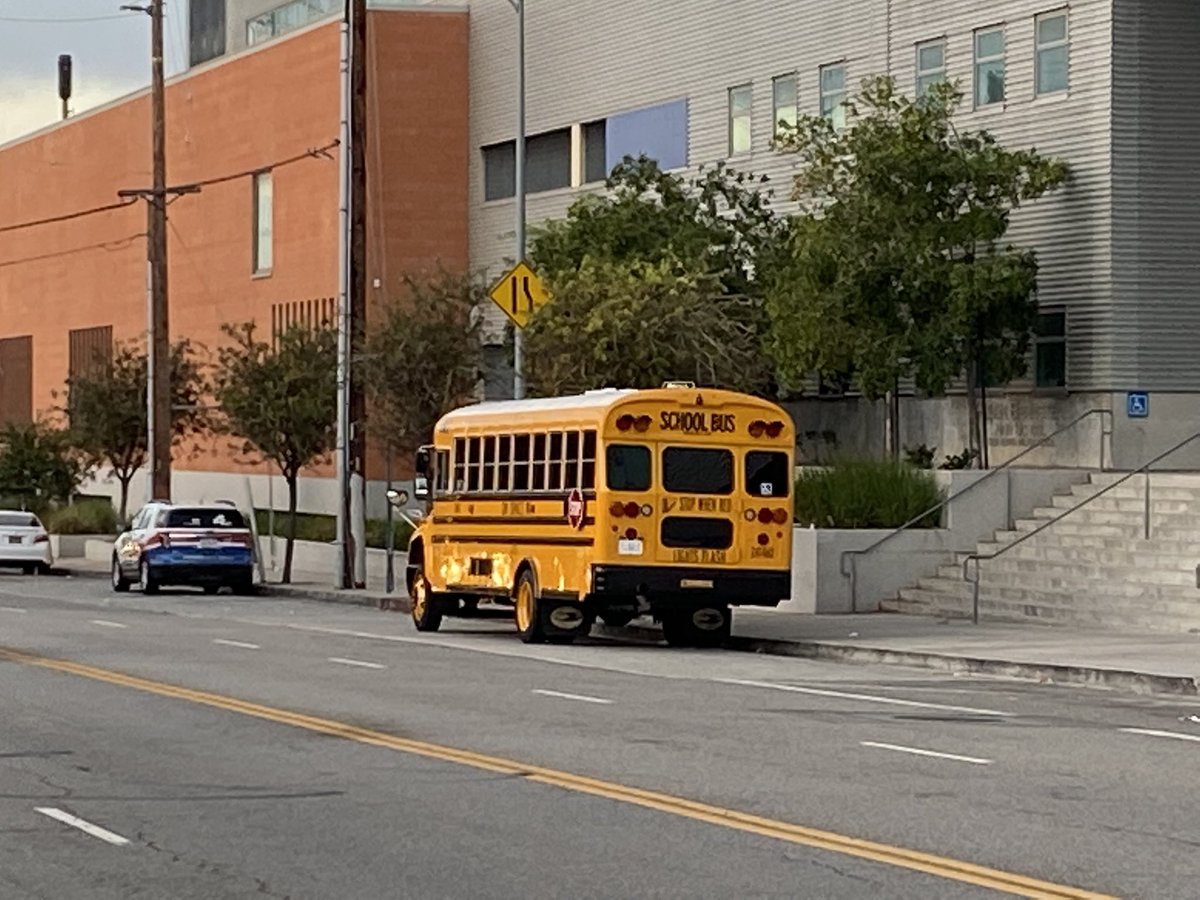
{"x":866,"y":494}
{"x":323,"y":528}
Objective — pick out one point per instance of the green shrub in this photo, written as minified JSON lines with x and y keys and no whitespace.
{"x":866,"y":494}
{"x":323,"y":528}
{"x":87,"y":517}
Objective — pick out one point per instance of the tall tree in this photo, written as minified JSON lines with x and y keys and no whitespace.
{"x":38,"y":466}
{"x":107,"y":409}
{"x":422,"y":358}
{"x":280,"y":398}
{"x":898,"y":263}
{"x":658,"y":277}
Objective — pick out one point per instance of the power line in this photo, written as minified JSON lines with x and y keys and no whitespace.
{"x":312,"y":153}
{"x":95,"y":210}
{"x":26,"y":21}
{"x":109,"y":246}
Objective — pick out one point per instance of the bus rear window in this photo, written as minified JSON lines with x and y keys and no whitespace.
{"x":697,"y":470}
{"x":767,"y":474}
{"x":628,"y":467}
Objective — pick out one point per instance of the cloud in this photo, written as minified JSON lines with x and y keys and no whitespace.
{"x":27,"y":105}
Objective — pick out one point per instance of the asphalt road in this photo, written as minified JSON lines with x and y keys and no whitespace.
{"x":376,"y":762}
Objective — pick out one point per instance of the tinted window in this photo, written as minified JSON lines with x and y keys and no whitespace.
{"x":203,"y":518}
{"x":695,"y":470}
{"x":708,"y":534}
{"x":767,"y":474}
{"x":19,"y":520}
{"x":628,"y":468}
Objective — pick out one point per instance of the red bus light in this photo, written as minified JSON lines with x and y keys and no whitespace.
{"x":625,"y":422}
{"x":775,"y":429}
{"x":763,"y":540}
{"x":631,"y":534}
{"x":617,"y":509}
{"x":780,"y":516}
{"x":765,"y":516}
{"x":631,"y":509}
{"x":642,"y":423}
{"x":757,"y":427}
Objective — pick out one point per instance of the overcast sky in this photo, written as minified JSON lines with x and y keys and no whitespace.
{"x":111,"y":55}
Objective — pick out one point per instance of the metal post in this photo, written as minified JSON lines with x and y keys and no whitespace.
{"x":975,"y":596}
{"x":519,"y":173}
{"x":1147,"y":521}
{"x":390,"y":584}
{"x":344,"y":579}
{"x":160,"y":449}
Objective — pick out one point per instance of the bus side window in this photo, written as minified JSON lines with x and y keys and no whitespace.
{"x":539,"y":462}
{"x":555,"y":462}
{"x":474,"y":464}
{"x":442,"y":472}
{"x":521,"y":463}
{"x":488,"y":481}
{"x":460,"y":465}
{"x":504,"y":462}
{"x":572,"y":470}
{"x":588,"y":461}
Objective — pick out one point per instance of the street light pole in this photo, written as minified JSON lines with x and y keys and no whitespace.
{"x":519,"y":177}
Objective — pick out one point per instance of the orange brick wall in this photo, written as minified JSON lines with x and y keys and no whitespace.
{"x":234,"y":115}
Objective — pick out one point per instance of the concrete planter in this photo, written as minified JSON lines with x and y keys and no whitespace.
{"x":315,"y":559}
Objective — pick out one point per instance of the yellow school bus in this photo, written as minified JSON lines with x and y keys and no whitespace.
{"x":674,"y":502}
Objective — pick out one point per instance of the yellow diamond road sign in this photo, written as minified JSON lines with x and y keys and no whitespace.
{"x":520,"y":294}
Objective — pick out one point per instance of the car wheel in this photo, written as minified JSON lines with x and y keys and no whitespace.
{"x":244,"y":586}
{"x":27,"y":570}
{"x":120,"y":583}
{"x":146,"y":578}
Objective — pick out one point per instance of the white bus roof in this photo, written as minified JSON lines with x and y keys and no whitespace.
{"x":592,"y":400}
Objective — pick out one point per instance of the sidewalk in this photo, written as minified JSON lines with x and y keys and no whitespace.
{"x":1138,"y":662}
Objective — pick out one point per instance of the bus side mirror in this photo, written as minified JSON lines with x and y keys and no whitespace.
{"x":421,"y":487}
{"x":421,"y":466}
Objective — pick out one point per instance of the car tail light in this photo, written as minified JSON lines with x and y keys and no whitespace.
{"x":158,"y":539}
{"x":42,"y":538}
{"x":765,"y":516}
{"x":244,"y":539}
{"x":780,"y":516}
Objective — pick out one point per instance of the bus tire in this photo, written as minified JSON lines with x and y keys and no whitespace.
{"x":528,"y":609}
{"x":426,"y":606}
{"x":706,"y":626}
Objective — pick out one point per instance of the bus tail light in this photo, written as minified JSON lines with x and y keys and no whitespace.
{"x":628,"y":510}
{"x":774,"y":429}
{"x":631,"y":534}
{"x":647,"y":509}
{"x":750,"y":515}
{"x":763,"y":540}
{"x":641,"y":423}
{"x":632,"y":510}
{"x":779,"y":516}
{"x":757,"y":427}
{"x":765,"y":516}
{"x":625,"y":422}
{"x":617,"y":509}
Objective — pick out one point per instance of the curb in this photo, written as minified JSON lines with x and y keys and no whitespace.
{"x":1088,"y":676}
{"x":1124,"y":680}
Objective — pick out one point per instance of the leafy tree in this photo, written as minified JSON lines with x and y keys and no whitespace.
{"x":639,"y":324}
{"x":898,"y":264}
{"x":280,"y":397}
{"x":107,"y":409}
{"x":659,"y":277}
{"x":38,"y":466}
{"x":422,"y":358}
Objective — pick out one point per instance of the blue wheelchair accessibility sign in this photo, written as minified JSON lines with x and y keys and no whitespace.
{"x":1137,"y":404}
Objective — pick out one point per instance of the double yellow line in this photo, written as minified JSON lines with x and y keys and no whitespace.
{"x":940,"y":866}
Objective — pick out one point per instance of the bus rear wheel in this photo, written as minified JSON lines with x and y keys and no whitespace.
{"x":706,"y":626}
{"x":528,"y":610}
{"x":426,"y":607}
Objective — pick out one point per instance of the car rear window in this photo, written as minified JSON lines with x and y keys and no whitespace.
{"x":202,"y":518}
{"x":697,"y":470}
{"x":628,"y":467}
{"x":19,"y":520}
{"x":767,"y":474}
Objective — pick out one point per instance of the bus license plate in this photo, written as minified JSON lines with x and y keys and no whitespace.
{"x":627,"y":547}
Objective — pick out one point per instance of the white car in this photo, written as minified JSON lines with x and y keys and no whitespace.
{"x":24,"y":542}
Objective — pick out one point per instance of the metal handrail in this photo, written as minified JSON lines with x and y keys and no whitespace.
{"x":978,"y":558}
{"x":853,"y":555}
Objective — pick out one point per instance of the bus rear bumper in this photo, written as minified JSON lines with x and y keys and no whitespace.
{"x":667,"y":587}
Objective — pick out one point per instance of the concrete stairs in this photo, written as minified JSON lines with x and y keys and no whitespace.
{"x":1093,"y":568}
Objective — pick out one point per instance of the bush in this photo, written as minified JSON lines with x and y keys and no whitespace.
{"x":866,"y":494}
{"x":323,"y":528}
{"x":87,"y":517}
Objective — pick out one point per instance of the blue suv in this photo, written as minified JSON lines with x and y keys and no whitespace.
{"x":167,"y":545}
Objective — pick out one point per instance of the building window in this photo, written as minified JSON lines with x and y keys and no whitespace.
{"x":784,"y":105}
{"x":659,"y":132}
{"x":989,"y":67}
{"x":595,"y":167}
{"x":499,"y":171}
{"x":931,"y":65}
{"x":1053,"y":53}
{"x":1050,"y":350}
{"x":288,"y":17}
{"x":833,"y":94}
{"x":547,"y":165}
{"x":16,"y":380}
{"x":741,"y":104}
{"x":263,"y":218}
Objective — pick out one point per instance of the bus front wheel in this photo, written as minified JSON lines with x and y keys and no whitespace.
{"x":707,"y":626}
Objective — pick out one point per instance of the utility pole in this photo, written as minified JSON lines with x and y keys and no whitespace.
{"x":352,"y":301}
{"x":64,"y":83}
{"x":158,"y":387}
{"x":519,"y":177}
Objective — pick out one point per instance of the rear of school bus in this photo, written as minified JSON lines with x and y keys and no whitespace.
{"x":694,"y":510}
